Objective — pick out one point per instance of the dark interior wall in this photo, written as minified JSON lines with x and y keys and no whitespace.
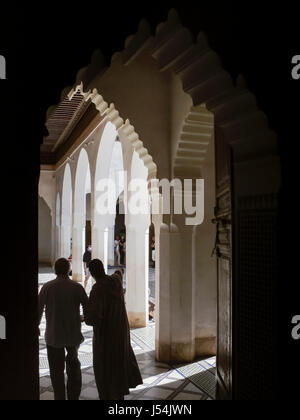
{"x":120,"y":228}
{"x":45,"y":232}
{"x":19,"y":171}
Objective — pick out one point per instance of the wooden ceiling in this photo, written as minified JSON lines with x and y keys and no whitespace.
{"x":61,"y":123}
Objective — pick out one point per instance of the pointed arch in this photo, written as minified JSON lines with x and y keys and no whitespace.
{"x":66,"y":213}
{"x":82,"y":187}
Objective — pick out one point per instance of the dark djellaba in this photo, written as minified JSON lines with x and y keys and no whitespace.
{"x":115,"y":366}
{"x":296,"y":328}
{"x":2,"y":67}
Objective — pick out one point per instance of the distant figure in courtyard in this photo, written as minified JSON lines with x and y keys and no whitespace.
{"x":62,"y":299}
{"x":87,"y":256}
{"x":122,"y":250}
{"x":117,"y":251}
{"x":115,"y":366}
{"x":153,"y":251}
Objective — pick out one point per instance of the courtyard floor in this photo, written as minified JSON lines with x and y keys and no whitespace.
{"x":194,"y":381}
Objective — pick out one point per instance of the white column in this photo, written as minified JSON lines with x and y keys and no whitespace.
{"x":94,"y":242}
{"x":206,"y":267}
{"x":57,"y":242}
{"x":111,"y":241}
{"x":205,"y":272}
{"x":78,"y":249}
{"x":53,"y":237}
{"x":100,"y":244}
{"x":137,"y":276}
{"x":175,"y":339}
{"x":65,"y":239}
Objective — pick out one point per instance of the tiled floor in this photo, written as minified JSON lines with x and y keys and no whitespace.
{"x":161,"y":382}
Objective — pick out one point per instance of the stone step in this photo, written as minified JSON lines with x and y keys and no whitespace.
{"x":189,"y":161}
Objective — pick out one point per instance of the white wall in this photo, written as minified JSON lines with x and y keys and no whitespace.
{"x":206,"y":265}
{"x":181,"y":104}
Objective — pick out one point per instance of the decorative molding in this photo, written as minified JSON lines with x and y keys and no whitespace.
{"x":258,"y":202}
{"x":135,"y":44}
{"x":112,"y":115}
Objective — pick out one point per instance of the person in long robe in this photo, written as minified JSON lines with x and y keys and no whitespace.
{"x":115,"y":366}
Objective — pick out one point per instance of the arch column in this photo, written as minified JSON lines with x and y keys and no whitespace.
{"x":137,"y":274}
{"x":65,"y":242}
{"x":82,"y":186}
{"x":57,"y":244}
{"x":66,"y":214}
{"x":100,"y":240}
{"x":78,"y":248}
{"x":53,"y":236}
{"x":57,"y":227}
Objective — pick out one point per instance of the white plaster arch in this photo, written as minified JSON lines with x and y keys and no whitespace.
{"x":105,"y":152}
{"x":66,"y":213}
{"x":57,"y":226}
{"x":58,"y":210}
{"x":82,"y":186}
{"x":235,"y":111}
{"x":123,"y":128}
{"x":202,"y":78}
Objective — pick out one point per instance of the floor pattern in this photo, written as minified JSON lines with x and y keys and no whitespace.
{"x":161,"y":382}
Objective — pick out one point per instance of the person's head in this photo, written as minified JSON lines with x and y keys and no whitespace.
{"x":117,"y":238}
{"x":123,"y":237}
{"x":96,"y":268}
{"x":62,"y":267}
{"x":121,"y":271}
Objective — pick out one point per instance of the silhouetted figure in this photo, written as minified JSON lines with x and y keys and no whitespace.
{"x":115,"y":366}
{"x":153,"y":255}
{"x":62,"y":298}
{"x":87,"y":256}
{"x":122,"y":247}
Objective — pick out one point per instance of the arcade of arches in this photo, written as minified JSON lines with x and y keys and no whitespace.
{"x":171,"y":112}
